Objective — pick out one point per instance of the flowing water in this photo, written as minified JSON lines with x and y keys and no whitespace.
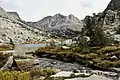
{"x":45,"y":62}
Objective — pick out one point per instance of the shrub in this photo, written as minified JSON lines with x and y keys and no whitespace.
{"x":42,"y":72}
{"x":5,"y":47}
{"x":14,"y":75}
{"x":108,"y":49}
{"x":106,"y":64}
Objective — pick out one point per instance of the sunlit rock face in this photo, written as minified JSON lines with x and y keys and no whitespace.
{"x":14,"y":15}
{"x":112,"y":19}
{"x":114,"y":5}
{"x":12,"y":27}
{"x":109,"y":19}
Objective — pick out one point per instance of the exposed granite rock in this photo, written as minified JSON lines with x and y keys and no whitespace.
{"x":13,"y":15}
{"x":11,"y":64}
{"x":59,"y":25}
{"x":114,"y":5}
{"x":12,"y":27}
{"x":109,"y":19}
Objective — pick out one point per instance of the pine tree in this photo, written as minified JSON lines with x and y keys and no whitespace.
{"x":93,"y":29}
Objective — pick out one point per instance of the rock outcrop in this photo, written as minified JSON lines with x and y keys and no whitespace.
{"x":12,"y":27}
{"x":10,"y":65}
{"x":114,"y":5}
{"x":109,"y":19}
{"x":14,"y":15}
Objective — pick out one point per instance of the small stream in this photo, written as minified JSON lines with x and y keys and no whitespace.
{"x":65,"y":66}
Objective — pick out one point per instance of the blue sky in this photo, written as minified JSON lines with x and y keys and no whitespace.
{"x":34,"y":10}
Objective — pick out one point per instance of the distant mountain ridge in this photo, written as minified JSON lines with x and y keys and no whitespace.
{"x":20,"y":31}
{"x":59,"y":25}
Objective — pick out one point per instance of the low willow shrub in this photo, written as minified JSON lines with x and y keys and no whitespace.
{"x":14,"y":75}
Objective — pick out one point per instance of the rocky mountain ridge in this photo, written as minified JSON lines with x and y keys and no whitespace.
{"x":59,"y":25}
{"x":109,"y":20}
{"x":12,"y":27}
{"x":14,"y":15}
{"x":114,"y":5}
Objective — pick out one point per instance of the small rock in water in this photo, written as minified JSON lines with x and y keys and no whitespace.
{"x":53,"y":62}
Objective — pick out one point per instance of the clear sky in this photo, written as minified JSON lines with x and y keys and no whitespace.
{"x":34,"y":10}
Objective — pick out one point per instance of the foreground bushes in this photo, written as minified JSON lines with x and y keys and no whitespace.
{"x":46,"y":72}
{"x":6,"y":47}
{"x":97,"y":57}
{"x":27,"y":75}
{"x":14,"y":75}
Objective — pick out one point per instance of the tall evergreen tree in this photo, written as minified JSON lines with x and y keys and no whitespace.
{"x":93,"y":29}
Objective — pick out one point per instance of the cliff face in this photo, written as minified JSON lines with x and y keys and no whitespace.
{"x":114,"y":5}
{"x":109,"y":20}
{"x":12,"y":27}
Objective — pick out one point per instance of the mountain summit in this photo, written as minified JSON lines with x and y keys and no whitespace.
{"x":59,"y":25}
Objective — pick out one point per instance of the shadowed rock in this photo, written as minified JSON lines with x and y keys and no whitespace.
{"x":11,"y":64}
{"x":114,"y":5}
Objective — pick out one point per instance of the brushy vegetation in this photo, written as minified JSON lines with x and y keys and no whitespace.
{"x":34,"y":74}
{"x":46,"y":72}
{"x":102,"y":57}
{"x":14,"y":75}
{"x":23,"y":57}
{"x":6,"y":47}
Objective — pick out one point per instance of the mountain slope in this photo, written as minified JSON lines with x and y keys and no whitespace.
{"x":114,"y":5}
{"x":12,"y":27}
{"x":14,"y":15}
{"x":109,"y":20}
{"x":59,"y":25}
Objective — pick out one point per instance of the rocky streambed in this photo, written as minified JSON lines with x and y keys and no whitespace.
{"x":76,"y":68}
{"x":46,"y":60}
